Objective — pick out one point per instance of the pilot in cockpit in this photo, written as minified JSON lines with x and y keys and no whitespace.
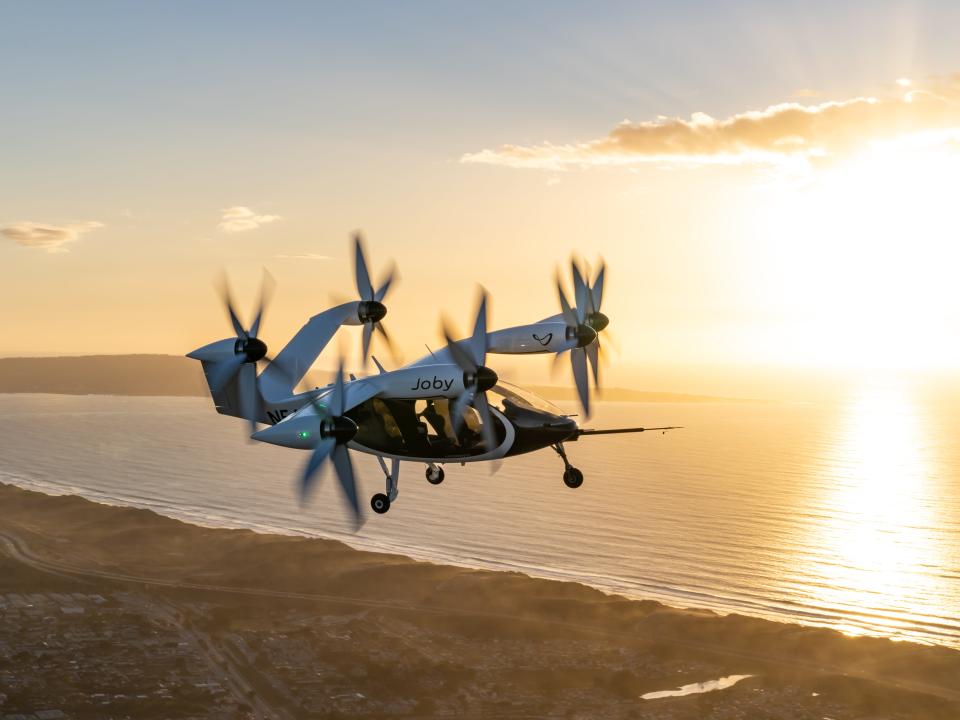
{"x":437,"y":413}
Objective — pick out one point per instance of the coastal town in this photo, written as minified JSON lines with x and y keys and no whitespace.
{"x":127,"y":654}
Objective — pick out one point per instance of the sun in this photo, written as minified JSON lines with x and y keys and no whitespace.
{"x":862,"y":258}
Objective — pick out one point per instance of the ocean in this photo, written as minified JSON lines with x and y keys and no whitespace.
{"x":843,"y":514}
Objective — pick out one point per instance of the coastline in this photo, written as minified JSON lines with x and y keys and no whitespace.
{"x":143,"y":547}
{"x":689,"y":602}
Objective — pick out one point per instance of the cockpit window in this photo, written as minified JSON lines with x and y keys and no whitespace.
{"x":520,"y":397}
{"x":420,"y":428}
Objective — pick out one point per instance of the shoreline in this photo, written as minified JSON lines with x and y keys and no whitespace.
{"x":116,"y":547}
{"x":433,"y":557}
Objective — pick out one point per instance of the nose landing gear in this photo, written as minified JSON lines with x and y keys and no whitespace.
{"x":572,"y":477}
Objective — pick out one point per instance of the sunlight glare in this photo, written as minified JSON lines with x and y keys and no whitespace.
{"x":875,"y":531}
{"x":862,"y":259}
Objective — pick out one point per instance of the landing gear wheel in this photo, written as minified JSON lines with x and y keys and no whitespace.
{"x":434,"y":475}
{"x":572,"y":477}
{"x":380,"y":503}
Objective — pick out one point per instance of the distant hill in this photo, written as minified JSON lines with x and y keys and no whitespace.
{"x":549,"y":392}
{"x":103,"y":375}
{"x":181,"y":376}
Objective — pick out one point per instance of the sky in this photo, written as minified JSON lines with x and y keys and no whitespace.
{"x":770,"y":184}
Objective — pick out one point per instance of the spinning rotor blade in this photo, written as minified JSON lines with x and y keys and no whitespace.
{"x":227,"y":298}
{"x":320,"y":453}
{"x":223,"y":372}
{"x":581,"y":293}
{"x":371,"y":310}
{"x":364,"y":286}
{"x":569,"y":316}
{"x":470,"y":356}
{"x":335,"y":432}
{"x":478,"y":342}
{"x":486,"y":421}
{"x":582,"y":332}
{"x":457,"y":410}
{"x":386,"y":337}
{"x":367,"y":337}
{"x":385,"y":287}
{"x":585,"y":322}
{"x":337,"y":398}
{"x":344,"y":470}
{"x":248,"y":351}
{"x":596,"y":292}
{"x":593,"y":356}
{"x":578,"y":361}
{"x":460,"y":356}
{"x":234,"y":320}
{"x":557,"y":361}
{"x":266,"y":292}
{"x":248,"y":396}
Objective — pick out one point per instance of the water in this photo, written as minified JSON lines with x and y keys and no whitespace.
{"x":697,"y":688}
{"x":845,"y":515}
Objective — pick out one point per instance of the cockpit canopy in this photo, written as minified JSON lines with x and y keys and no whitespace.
{"x":520,"y":398}
{"x":423,"y":427}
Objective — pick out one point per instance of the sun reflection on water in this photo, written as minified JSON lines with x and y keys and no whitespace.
{"x":875,"y":536}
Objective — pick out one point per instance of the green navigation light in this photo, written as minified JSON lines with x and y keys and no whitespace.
{"x":304,"y":434}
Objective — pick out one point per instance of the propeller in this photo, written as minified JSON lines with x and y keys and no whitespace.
{"x":584,"y":324}
{"x":371,"y":310}
{"x":247,"y":352}
{"x":334,"y":431}
{"x":592,"y":296}
{"x":470,"y":356}
{"x":578,"y":329}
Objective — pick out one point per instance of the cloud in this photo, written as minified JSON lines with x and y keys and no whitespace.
{"x":303,"y":256}
{"x":51,"y":238}
{"x":788,"y":131}
{"x":240,"y":219}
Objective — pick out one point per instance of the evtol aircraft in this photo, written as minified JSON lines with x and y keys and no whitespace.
{"x":447,"y":407}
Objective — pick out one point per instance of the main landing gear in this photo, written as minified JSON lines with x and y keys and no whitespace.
{"x":434,"y":474}
{"x":572,"y":477}
{"x":381,"y":501}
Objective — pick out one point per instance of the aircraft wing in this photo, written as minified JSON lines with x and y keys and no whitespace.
{"x":441,"y":356}
{"x":291,"y":364}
